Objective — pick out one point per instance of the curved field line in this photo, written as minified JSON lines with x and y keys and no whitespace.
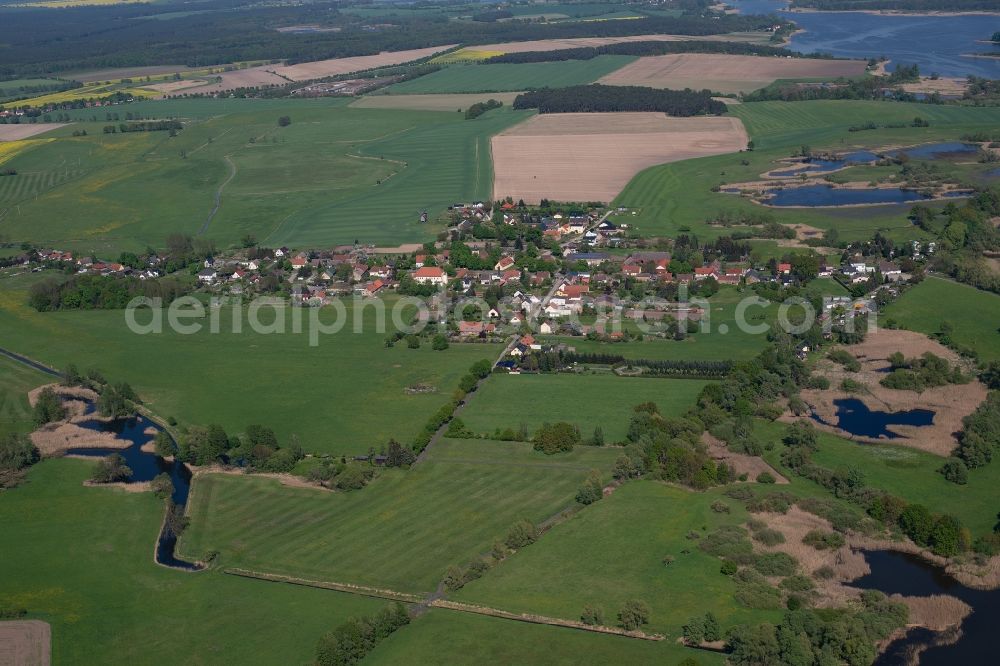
{"x":218,"y":195}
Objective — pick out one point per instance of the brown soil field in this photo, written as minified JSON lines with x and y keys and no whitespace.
{"x":24,"y":131}
{"x":592,"y":156}
{"x":127,"y":73}
{"x":431,"y":102}
{"x":170,"y":87}
{"x":726,"y":73}
{"x":741,"y":463}
{"x":321,"y":68}
{"x":579,"y":42}
{"x":25,"y":643}
{"x":950,"y":403}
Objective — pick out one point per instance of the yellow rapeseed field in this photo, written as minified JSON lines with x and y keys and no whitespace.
{"x":9,"y":149}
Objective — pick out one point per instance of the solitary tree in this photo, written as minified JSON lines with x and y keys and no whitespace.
{"x":633,"y":614}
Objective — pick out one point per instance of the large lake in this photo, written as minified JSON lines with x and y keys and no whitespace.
{"x":935,"y":43}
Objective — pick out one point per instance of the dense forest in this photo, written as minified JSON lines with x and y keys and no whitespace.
{"x":649,"y":49}
{"x":599,"y":98}
{"x":100,"y":292}
{"x":899,"y":5}
{"x":42,"y":41}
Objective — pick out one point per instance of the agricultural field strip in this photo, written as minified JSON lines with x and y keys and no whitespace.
{"x":593,"y":156}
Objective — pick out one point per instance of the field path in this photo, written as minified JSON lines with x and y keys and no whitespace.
{"x":218,"y":195}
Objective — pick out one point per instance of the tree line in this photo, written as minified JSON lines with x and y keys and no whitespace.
{"x":100,"y":292}
{"x":479,"y":108}
{"x":899,"y":5}
{"x":650,"y":48}
{"x":145,"y":126}
{"x":597,"y":98}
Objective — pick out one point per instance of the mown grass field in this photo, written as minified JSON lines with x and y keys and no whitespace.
{"x":677,"y":198}
{"x":970,"y":311}
{"x":445,"y":637}
{"x":512,"y":76}
{"x":400,"y":532}
{"x":586,"y":401}
{"x":335,"y":175}
{"x":16,"y":379}
{"x":342,"y":396}
{"x":82,"y":559}
{"x":613,"y":551}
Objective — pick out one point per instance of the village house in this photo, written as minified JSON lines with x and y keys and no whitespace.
{"x":430,"y":275}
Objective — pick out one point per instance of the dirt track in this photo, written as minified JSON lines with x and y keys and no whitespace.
{"x":726,"y":73}
{"x":592,"y":156}
{"x":25,"y":643}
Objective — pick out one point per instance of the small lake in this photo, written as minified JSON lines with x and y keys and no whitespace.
{"x":818,"y":165}
{"x":935,"y":43}
{"x":853,"y":416}
{"x":813,"y":196}
{"x":145,"y":467}
{"x":907,"y":574}
{"x":938,"y":151}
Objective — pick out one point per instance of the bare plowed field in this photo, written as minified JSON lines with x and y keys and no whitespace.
{"x":25,"y":130}
{"x":592,"y":156}
{"x":726,"y":73}
{"x":25,"y":643}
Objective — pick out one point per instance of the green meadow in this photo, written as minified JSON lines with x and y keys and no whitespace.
{"x":444,"y":637}
{"x":586,"y":400}
{"x":81,"y":559}
{"x":16,"y":379}
{"x":402,"y":531}
{"x":937,"y":300}
{"x":678,"y":198}
{"x":613,"y":551}
{"x":342,"y":396}
{"x":902,"y":471}
{"x":335,"y":175}
{"x":502,"y":77}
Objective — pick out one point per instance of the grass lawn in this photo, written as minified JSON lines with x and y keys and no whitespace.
{"x":342,"y":396}
{"x":935,"y":300}
{"x":81,"y":559}
{"x":677,"y":198}
{"x":335,"y":175}
{"x":16,"y":380}
{"x":400,"y":532}
{"x":613,"y":551}
{"x":512,"y":76}
{"x":586,"y":400}
{"x":902,"y":471}
{"x":444,"y":637}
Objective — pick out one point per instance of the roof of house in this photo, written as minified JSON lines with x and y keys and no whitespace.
{"x":428,"y":272}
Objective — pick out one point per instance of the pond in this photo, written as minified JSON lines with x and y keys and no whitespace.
{"x":937,"y":44}
{"x":814,"y":196}
{"x":145,"y":467}
{"x":906,"y":574}
{"x":853,"y":416}
{"x":818,"y":165}
{"x":938,"y":151}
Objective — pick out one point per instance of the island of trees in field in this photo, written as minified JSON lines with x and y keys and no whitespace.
{"x":596,"y":98}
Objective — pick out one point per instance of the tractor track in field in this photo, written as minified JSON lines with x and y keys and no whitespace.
{"x":218,"y":195}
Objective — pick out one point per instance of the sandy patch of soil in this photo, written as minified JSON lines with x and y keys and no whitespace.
{"x":65,"y":392}
{"x":25,"y":643}
{"x":944,"y":86}
{"x":725,"y":73}
{"x":950,"y":403}
{"x":317,"y":69}
{"x":453,"y":103}
{"x":289,"y":480}
{"x":740,"y":462}
{"x":25,"y":130}
{"x":170,"y":87}
{"x":592,"y":156}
